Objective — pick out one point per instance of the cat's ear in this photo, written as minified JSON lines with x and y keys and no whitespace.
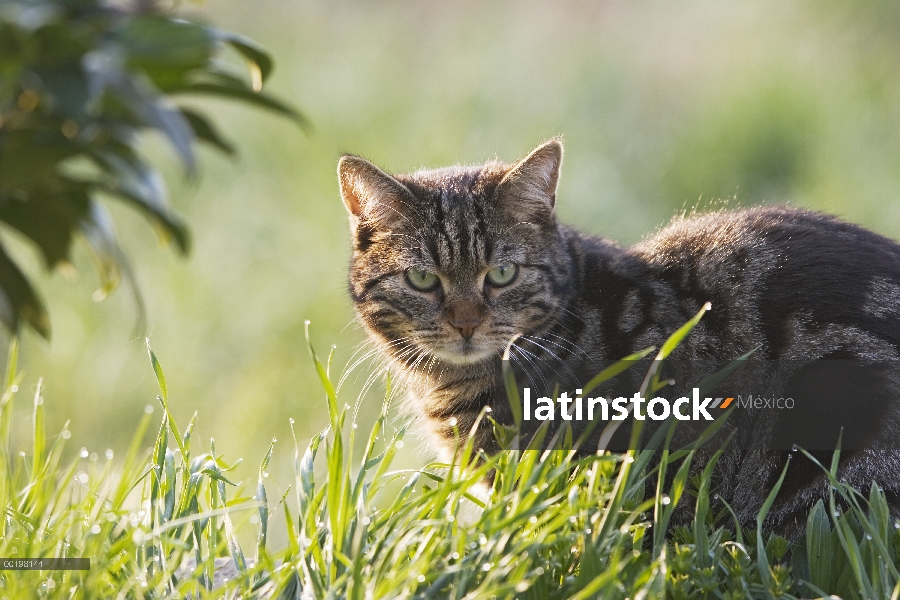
{"x":368,"y":192}
{"x":531,"y":184}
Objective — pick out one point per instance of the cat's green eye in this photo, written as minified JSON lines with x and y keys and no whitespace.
{"x":502,"y":275}
{"x":422,"y":280}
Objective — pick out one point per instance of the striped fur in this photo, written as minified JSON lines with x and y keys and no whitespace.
{"x":793,"y":284}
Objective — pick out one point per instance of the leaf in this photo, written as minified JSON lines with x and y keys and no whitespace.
{"x":148,"y":108}
{"x":131,"y":179}
{"x":227,"y":86}
{"x":47,"y":218}
{"x":681,"y":333}
{"x":765,"y":571}
{"x":109,"y":261}
{"x":615,"y":369}
{"x":255,"y":54}
{"x":157,"y":43}
{"x":819,"y":547}
{"x":18,"y":300}
{"x":28,"y":158}
{"x":204,"y":130}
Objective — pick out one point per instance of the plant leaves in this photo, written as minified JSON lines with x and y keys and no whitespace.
{"x":47,"y":218}
{"x":227,"y":86}
{"x":18,"y":300}
{"x":255,"y":54}
{"x":148,"y":108}
{"x":206,"y":131}
{"x":133,"y":180}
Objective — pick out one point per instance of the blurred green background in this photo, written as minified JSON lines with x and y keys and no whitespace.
{"x":662,"y":107}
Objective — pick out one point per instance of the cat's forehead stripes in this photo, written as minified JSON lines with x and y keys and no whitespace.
{"x":453,"y":204}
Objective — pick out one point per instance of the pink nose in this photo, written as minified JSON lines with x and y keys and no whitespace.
{"x":466,"y":327}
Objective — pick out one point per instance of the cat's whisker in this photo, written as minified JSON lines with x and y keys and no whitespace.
{"x":535,"y":367}
{"x":572,"y":345}
{"x":378,"y":349}
{"x":552,"y":354}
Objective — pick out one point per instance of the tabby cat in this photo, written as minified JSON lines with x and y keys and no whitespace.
{"x":448,"y":265}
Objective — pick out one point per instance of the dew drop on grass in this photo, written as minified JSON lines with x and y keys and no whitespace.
{"x":109,"y":454}
{"x":868,"y":537}
{"x":94,"y":457}
{"x":522,"y":586}
{"x":82,"y":477}
{"x":399,"y":444}
{"x":455,"y":556}
{"x":573,"y":519}
{"x":666,"y":500}
{"x":66,"y":434}
{"x":532,"y":520}
{"x":95,"y":529}
{"x":452,"y":421}
{"x":149,"y":409}
{"x":421,"y":578}
{"x":83,"y":453}
{"x":486,"y":566}
{"x":14,"y":389}
{"x":366,"y":520}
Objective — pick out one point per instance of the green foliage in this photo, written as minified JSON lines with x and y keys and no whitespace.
{"x":547,"y":525}
{"x":79,"y":81}
{"x":151,"y":525}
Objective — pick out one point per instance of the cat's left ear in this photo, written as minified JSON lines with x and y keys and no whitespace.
{"x":531,"y":184}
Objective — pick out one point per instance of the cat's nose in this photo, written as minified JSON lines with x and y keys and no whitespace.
{"x":466,"y":327}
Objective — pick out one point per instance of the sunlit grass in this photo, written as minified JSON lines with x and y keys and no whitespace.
{"x":549,"y":525}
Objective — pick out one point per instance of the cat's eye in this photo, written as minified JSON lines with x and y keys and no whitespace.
{"x":423,"y":281}
{"x":502,"y":275}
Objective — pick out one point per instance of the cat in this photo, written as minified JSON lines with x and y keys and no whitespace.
{"x":449,"y":265}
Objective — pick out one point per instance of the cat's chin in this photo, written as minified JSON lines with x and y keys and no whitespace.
{"x":464,"y":356}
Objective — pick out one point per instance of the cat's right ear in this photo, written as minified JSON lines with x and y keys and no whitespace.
{"x":368,"y":192}
{"x":529,"y":187}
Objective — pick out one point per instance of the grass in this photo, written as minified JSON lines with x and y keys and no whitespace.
{"x":550,"y":526}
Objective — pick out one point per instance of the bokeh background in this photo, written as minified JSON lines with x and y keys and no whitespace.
{"x":663,"y":107}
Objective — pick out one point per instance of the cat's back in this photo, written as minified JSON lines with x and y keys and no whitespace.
{"x":789,"y":275}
